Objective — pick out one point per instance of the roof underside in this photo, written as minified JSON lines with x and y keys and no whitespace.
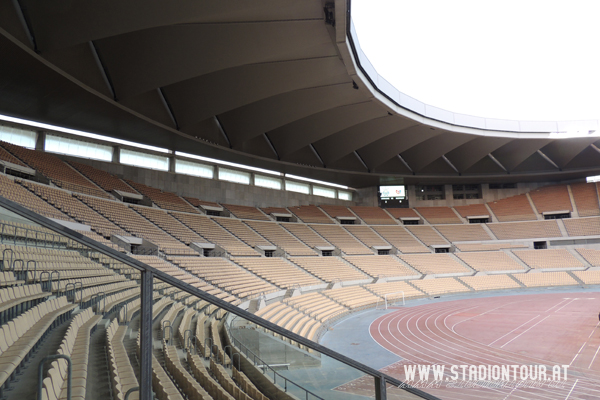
{"x":268,"y":84}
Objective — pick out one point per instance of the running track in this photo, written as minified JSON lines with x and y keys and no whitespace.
{"x":547,"y":329}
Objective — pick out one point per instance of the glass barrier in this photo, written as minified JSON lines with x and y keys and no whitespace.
{"x":74,"y":318}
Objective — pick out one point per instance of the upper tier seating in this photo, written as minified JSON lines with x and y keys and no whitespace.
{"x":137,"y":225}
{"x":434,"y":263}
{"x":472,"y":210}
{"x":490,"y":282}
{"x":551,"y":198}
{"x":582,"y":226}
{"x":337,"y":211}
{"x":373,"y":215}
{"x":353,"y":297}
{"x":315,"y":305}
{"x":102,"y":178}
{"x":12,"y":191}
{"x":55,"y":169}
{"x":341,"y":239}
{"x":305,"y":234}
{"x":490,"y":246}
{"x":169,"y":224}
{"x":366,"y":235}
{"x":311,"y":214}
{"x":77,"y":210}
{"x":588,"y":277}
{"x":590,"y":255}
{"x":215,"y":233}
{"x":197,"y":202}
{"x":392,"y":289}
{"x":101,"y":239}
{"x":427,"y":234}
{"x":281,"y":238}
{"x":6,"y":156}
{"x":245,"y":212}
{"x":399,"y":237}
{"x":402,"y":213}
{"x":166,"y":200}
{"x":329,"y":269}
{"x":560,"y":278}
{"x":526,"y":230}
{"x":187,"y":277}
{"x":515,"y":208}
{"x":243,"y":232}
{"x":438,"y":286}
{"x":277,"y":210}
{"x":439,"y":215}
{"x":379,"y":266}
{"x":549,"y":258}
{"x":490,"y":261}
{"x":225,"y":274}
{"x":278,"y":271}
{"x":463,"y":233}
{"x":586,"y":199}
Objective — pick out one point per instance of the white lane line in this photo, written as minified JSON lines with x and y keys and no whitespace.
{"x":537,"y":323}
{"x":524,"y":323}
{"x":584,"y":344}
{"x":556,"y":305}
{"x":558,"y":309}
{"x":569,"y":395}
{"x":578,"y":353}
{"x":591,"y":362}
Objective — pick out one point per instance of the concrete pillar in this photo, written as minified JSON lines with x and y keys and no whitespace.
{"x":116,"y":155}
{"x":40,"y":141}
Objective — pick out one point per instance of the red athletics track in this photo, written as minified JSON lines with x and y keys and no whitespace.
{"x":548,"y":329}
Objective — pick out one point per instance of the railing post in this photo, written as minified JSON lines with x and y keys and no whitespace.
{"x":41,"y":374}
{"x":133,"y":389}
{"x":380,"y":389}
{"x":146,"y":336}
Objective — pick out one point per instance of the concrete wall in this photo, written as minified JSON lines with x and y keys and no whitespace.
{"x":212,"y":189}
{"x":487,"y":194}
{"x":249,"y":195}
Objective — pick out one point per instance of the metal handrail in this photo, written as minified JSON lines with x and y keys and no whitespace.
{"x":266,"y":367}
{"x":149,"y":273}
{"x":133,"y":389}
{"x":12,"y":255}
{"x":34,"y":269}
{"x":189,"y":338}
{"x":52,"y":280}
{"x":41,"y":373}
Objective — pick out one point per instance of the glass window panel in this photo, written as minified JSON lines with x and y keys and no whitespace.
{"x":297,"y":187}
{"x":18,"y":136}
{"x":77,"y":148}
{"x":325,"y":192}
{"x":267,"y":181}
{"x":194,"y":169}
{"x":233,"y":175}
{"x":145,"y":160}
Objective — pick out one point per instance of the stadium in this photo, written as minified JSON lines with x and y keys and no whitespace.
{"x":225,"y":200}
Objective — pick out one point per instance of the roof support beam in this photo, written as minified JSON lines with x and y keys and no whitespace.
{"x":103,"y":70}
{"x":167,"y":105}
{"x":494,"y":159}
{"x":220,"y":126}
{"x":545,"y":157}
{"x":26,"y":24}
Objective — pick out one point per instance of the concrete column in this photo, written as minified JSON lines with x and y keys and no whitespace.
{"x":172,"y":163}
{"x":448,"y":193}
{"x":40,"y":141}
{"x":116,"y":155}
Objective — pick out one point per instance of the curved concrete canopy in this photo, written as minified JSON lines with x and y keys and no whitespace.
{"x":274,"y":85}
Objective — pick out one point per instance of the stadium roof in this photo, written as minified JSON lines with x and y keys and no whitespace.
{"x":278,"y":84}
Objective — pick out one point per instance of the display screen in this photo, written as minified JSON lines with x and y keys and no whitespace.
{"x":392,"y":192}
